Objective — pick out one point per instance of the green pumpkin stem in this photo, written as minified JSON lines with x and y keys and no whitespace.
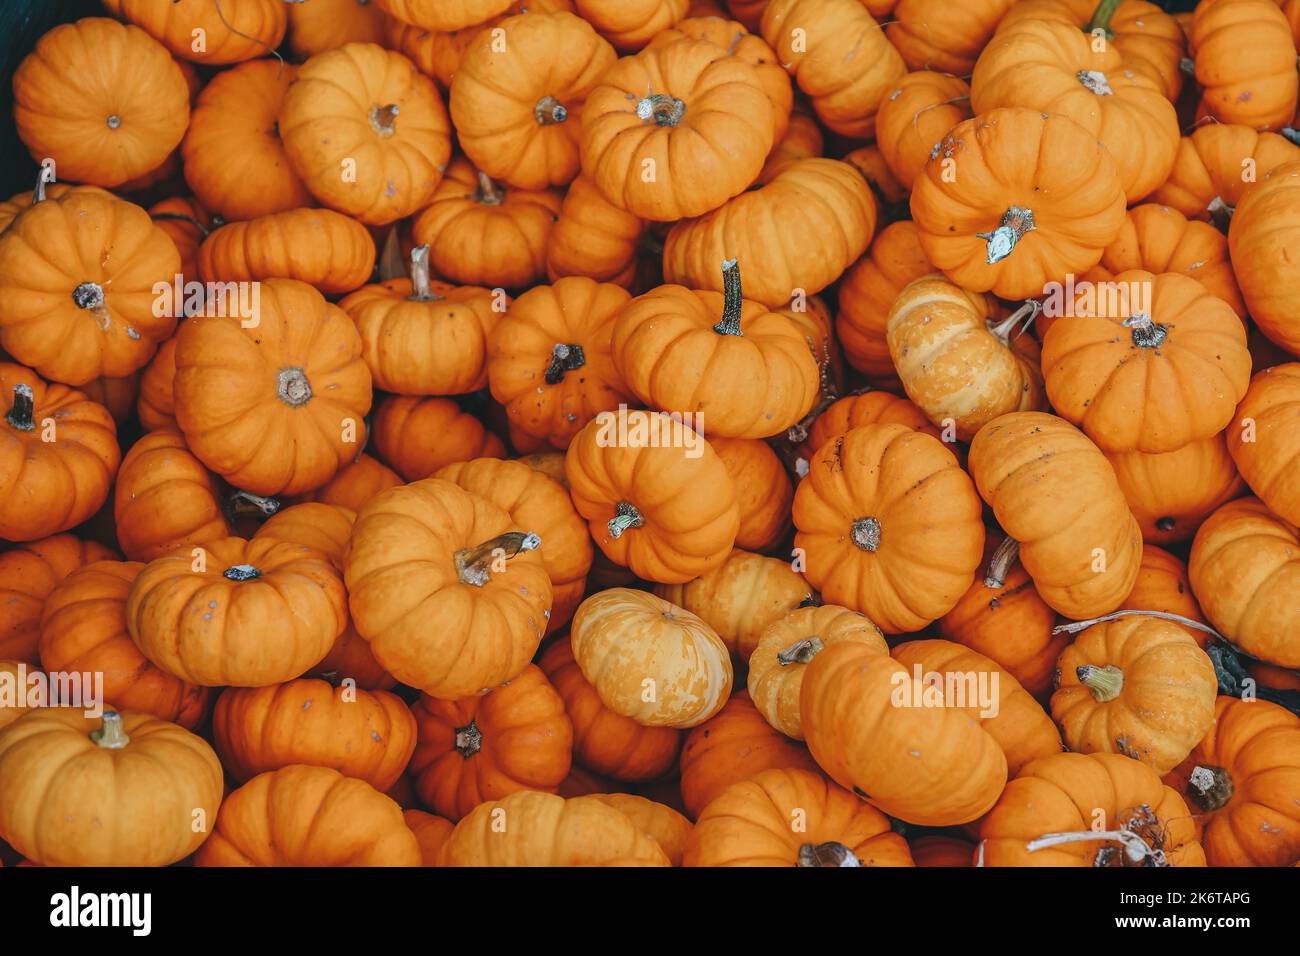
{"x":732,"y":301}
{"x":1004,"y":556}
{"x":829,"y":854}
{"x":625,"y":516}
{"x":1102,"y":16}
{"x":110,"y":734}
{"x":474,"y":564}
{"x":1106,"y":683}
{"x":22,"y":415}
{"x":801,"y":652}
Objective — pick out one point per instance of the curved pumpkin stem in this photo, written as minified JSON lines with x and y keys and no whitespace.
{"x":421,"y":290}
{"x":474,"y":565}
{"x":22,"y":415}
{"x":826,"y":855}
{"x":1004,"y":556}
{"x":550,"y":111}
{"x":245,"y":502}
{"x":801,"y":652}
{"x":1026,"y":314}
{"x":1131,"y":838}
{"x":865,"y":533}
{"x":1211,"y":787}
{"x":1106,"y":683}
{"x":1102,"y":16}
{"x":625,"y":516}
{"x":732,"y":300}
{"x":110,"y":734}
{"x":665,"y":110}
{"x":488,"y":193}
{"x":469,"y":740}
{"x":1074,"y":627}
{"x":565,"y":357}
{"x":1002,"y":241}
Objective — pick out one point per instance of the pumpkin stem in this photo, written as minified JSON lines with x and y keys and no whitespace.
{"x":22,"y":415}
{"x":292,"y":387}
{"x":469,"y":739}
{"x":1016,"y":221}
{"x":1220,"y":213}
{"x":88,"y":295}
{"x":1026,"y":314}
{"x":1141,"y":837}
{"x":1106,"y":683}
{"x":550,"y":111}
{"x":383,"y":118}
{"x":182,"y":217}
{"x":43,"y":176}
{"x":488,"y":194}
{"x":1004,"y":556}
{"x":1102,"y":16}
{"x":330,"y":677}
{"x":665,"y":110}
{"x":1074,"y":627}
{"x":421,"y":291}
{"x":866,"y":534}
{"x":241,"y":572}
{"x":732,"y":301}
{"x":1146,"y":334}
{"x":475,"y":565}
{"x":625,"y":516}
{"x":110,"y":734}
{"x":1291,"y":133}
{"x":245,"y":502}
{"x":801,"y":652}
{"x":1210,"y":787}
{"x":826,"y":855}
{"x":1167,"y":523}
{"x":564,"y":358}
{"x":1187,"y":65}
{"x":1094,"y":81}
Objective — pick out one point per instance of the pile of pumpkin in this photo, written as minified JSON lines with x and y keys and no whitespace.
{"x":371,"y":578}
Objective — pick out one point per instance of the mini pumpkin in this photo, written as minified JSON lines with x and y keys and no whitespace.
{"x":58,"y":456}
{"x":916,"y":115}
{"x":802,"y":140}
{"x":16,"y":702}
{"x":932,"y":35}
{"x":418,"y":436}
{"x":1261,"y":230}
{"x":889,"y":525}
{"x":321,"y":25}
{"x":211,"y":33}
{"x":1037,"y":197}
{"x":1257,"y":90}
{"x":155,"y":405}
{"x":593,"y":238}
{"x":430,"y":831}
{"x":1171,"y":493}
{"x":867,"y":408}
{"x":1207,"y":181}
{"x":1265,"y":451}
{"x":763,"y":491}
{"x":369,"y":735}
{"x":650,"y":660}
{"x":443,"y":15}
{"x":667,"y":514}
{"x":661,"y":823}
{"x":28,"y":573}
{"x":630,"y":24}
{"x":750,"y":824}
{"x":1054,"y":492}
{"x":366,"y":132}
{"x":457,"y":558}
{"x":105,"y":117}
{"x":274,"y":404}
{"x":309,"y":816}
{"x":485,"y":747}
{"x":1163,"y":586}
{"x":355,"y":484}
{"x":123,"y":789}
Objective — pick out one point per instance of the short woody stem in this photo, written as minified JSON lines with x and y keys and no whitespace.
{"x":382,"y":118}
{"x":1004,"y":556}
{"x":488,"y":193}
{"x":22,"y":415}
{"x":830,"y":854}
{"x":565,"y":357}
{"x":1026,"y":314}
{"x":1146,"y":334}
{"x":665,"y":110}
{"x":245,"y":502}
{"x":421,"y":291}
{"x":625,"y":516}
{"x":44,"y":175}
{"x":292,"y":387}
{"x":1102,"y":17}
{"x":241,"y":572}
{"x":1220,"y":213}
{"x":800,"y":652}
{"x":865,"y":533}
{"x":1017,"y":221}
{"x":1210,"y":787}
{"x":1106,"y":683}
{"x":1074,"y":627}
{"x":110,"y":734}
{"x":550,"y":111}
{"x":732,"y":300}
{"x":474,"y":565}
{"x":469,"y":740}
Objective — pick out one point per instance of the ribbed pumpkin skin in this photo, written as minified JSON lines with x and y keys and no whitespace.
{"x":515,"y":737}
{"x":933,"y":35}
{"x":309,"y":816}
{"x":316,"y":27}
{"x":1163,"y":585}
{"x":1257,"y":745}
{"x":28,"y":573}
{"x":155,"y":406}
{"x":1045,"y":481}
{"x":593,"y":238}
{"x":1263,"y":227}
{"x":355,"y":484}
{"x":603,"y":740}
{"x":1268,"y":463}
{"x":1245,"y":570}
{"x":1255,"y":90}
{"x":661,"y":823}
{"x":630,"y":24}
{"x":321,"y":247}
{"x":1067,"y":793}
{"x":916,"y":115}
{"x":84,"y":630}
{"x":1207,"y":169}
{"x":134,"y":806}
{"x":369,"y":735}
{"x":430,"y":831}
{"x":442,"y":15}
{"x":763,"y":491}
{"x":928,"y":765}
{"x":919,"y":558}
{"x":17,"y":672}
{"x":416,"y":436}
{"x":749,"y":824}
{"x":231,"y":34}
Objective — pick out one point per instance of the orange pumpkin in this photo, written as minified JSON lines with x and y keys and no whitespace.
{"x":940,"y":850}
{"x":1258,"y":90}
{"x":28,"y":573}
{"x":418,"y":436}
{"x":593,"y":237}
{"x":366,"y":132}
{"x":1037,"y":197}
{"x":934,"y":35}
{"x":431,"y":832}
{"x":550,"y":363}
{"x":369,"y":735}
{"x":630,"y":24}
{"x":355,"y":484}
{"x":320,"y":25}
{"x":1054,"y":492}
{"x":802,"y":140}
{"x":442,"y":15}
{"x":481,"y":234}
{"x":794,"y":236}
{"x":916,"y":115}
{"x":77,"y":287}
{"x":274,"y":404}
{"x":676,"y":130}
{"x":1163,"y":585}
{"x":1261,"y":230}
{"x":867,"y":408}
{"x":84,"y":630}
{"x":889,"y":525}
{"x":1265,"y":450}
{"x":668,"y":828}
{"x":485,"y":747}
{"x":763,"y":491}
{"x":512,"y":98}
{"x":1171,"y":493}
{"x":435,"y":547}
{"x":155,"y":406}
{"x":105,"y":117}
{"x":58,"y":456}
{"x":22,"y":692}
{"x":1207,"y":180}
{"x":665,"y":512}
{"x":210,"y":33}
{"x":604,"y":740}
